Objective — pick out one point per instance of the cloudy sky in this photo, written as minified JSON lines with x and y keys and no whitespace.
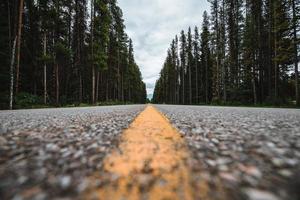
{"x":152,"y":24}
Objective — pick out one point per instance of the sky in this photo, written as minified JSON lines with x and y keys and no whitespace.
{"x":153,"y":24}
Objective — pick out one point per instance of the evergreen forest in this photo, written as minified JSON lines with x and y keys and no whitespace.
{"x":66,"y":52}
{"x":246,"y":52}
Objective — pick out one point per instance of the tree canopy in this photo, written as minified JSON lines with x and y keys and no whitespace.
{"x":247,"y":53}
{"x":71,"y":52}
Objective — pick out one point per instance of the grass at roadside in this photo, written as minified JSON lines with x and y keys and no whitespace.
{"x":237,"y":104}
{"x":41,"y":106}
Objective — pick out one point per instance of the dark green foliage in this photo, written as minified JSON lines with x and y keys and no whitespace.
{"x":64,"y":27}
{"x":5,"y":51}
{"x":26,"y":100}
{"x":248,"y":54}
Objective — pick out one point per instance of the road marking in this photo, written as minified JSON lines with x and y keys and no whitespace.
{"x":150,"y":163}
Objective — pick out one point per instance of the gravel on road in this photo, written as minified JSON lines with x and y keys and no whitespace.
{"x":254,"y":153}
{"x":50,"y":153}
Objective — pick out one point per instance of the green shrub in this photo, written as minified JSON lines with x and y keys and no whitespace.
{"x":26,"y":100}
{"x":4,"y":101}
{"x":112,"y":103}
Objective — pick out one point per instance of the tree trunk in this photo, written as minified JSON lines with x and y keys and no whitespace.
{"x":9,"y":27}
{"x":217,"y":29}
{"x":129,"y":95}
{"x":92,"y":46}
{"x":119,"y":76}
{"x":206,"y":80}
{"x":224,"y":81}
{"x":57,"y":83}
{"x":11,"y":93}
{"x":295,"y":53}
{"x":107,"y":95}
{"x":224,"y":74}
{"x":261,"y":65}
{"x":275,"y":61}
{"x":45,"y":70}
{"x":197,"y":87}
{"x":183,"y":86}
{"x":80,"y":87}
{"x":275,"y":75}
{"x":270,"y":50}
{"x":122,"y":85}
{"x":218,"y":77}
{"x":254,"y":84}
{"x":93,"y":84}
{"x":237,"y":45}
{"x":97,"y":87}
{"x":176,"y":85}
{"x":190,"y":84}
{"x":21,"y":7}
{"x":275,"y":56}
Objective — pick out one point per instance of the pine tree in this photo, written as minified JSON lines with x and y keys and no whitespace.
{"x":223,"y":41}
{"x":56,"y":54}
{"x":190,"y":61}
{"x":102,"y":21}
{"x":295,"y":25}
{"x":173,"y":71}
{"x":19,"y":35}
{"x":183,"y":58}
{"x":79,"y":37}
{"x":233,"y":11}
{"x":216,"y":48}
{"x":282,"y":43}
{"x":249,"y":54}
{"x":196,"y":53}
{"x":205,"y":58}
{"x":241,"y":60}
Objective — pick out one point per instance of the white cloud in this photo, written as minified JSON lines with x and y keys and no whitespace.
{"x":152,"y":24}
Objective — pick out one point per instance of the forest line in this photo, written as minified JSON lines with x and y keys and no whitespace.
{"x":66,"y":52}
{"x":247,"y":52}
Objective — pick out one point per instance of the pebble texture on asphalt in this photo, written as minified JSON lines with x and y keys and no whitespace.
{"x":46,"y":154}
{"x":254,"y":153}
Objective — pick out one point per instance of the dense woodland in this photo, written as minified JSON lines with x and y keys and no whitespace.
{"x":59,"y":52}
{"x":246,"y":52}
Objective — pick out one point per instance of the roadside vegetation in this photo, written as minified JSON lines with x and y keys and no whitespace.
{"x":58,"y":53}
{"x":29,"y":101}
{"x":245,"y":54}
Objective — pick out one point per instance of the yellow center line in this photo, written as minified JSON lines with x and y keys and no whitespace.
{"x":150,"y":163}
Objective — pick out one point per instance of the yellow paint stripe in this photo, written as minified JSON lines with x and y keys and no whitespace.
{"x":151,"y":163}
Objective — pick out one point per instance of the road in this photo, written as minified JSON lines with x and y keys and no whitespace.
{"x":234,"y":153}
{"x":252,"y":152}
{"x":46,"y":154}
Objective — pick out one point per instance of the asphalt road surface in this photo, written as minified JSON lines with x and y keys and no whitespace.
{"x":241,"y":153}
{"x":46,"y":154}
{"x":254,"y":153}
